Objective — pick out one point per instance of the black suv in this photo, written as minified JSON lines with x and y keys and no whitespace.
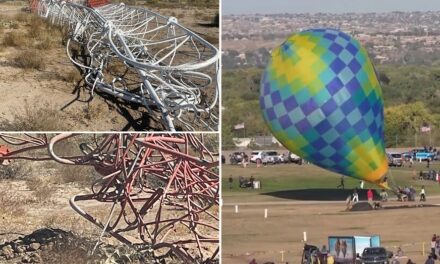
{"x":375,"y":255}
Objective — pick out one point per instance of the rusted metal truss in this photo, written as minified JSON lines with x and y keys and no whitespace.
{"x":162,"y":190}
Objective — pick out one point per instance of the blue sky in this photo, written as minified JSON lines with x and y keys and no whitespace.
{"x":330,"y":6}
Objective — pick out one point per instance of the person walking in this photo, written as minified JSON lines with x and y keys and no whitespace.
{"x":422,"y":194}
{"x":342,"y":183}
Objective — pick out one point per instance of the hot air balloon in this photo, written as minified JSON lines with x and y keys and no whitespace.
{"x":321,"y":99}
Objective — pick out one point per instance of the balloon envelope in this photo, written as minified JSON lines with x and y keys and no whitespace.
{"x":321,"y":99}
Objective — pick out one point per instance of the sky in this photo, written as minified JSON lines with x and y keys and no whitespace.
{"x":329,"y":6}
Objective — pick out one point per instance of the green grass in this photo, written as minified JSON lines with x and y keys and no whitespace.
{"x":294,"y":177}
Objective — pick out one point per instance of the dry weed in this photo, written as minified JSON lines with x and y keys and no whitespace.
{"x":14,"y":39}
{"x":72,"y":76}
{"x":30,"y":59}
{"x":36,"y":117}
{"x":41,"y":188}
{"x":11,"y":202}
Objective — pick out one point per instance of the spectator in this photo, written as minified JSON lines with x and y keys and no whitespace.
{"x":384,"y":196}
{"x":361,"y":185}
{"x":395,"y":260}
{"x":433,"y":244}
{"x":430,"y":260}
{"x":427,"y":162}
{"x":342,"y":183}
{"x":410,"y":261}
{"x":253,"y":261}
{"x":230,"y":181}
{"x":355,"y":198}
{"x":422,"y":194}
{"x":400,"y":252}
{"x":251,"y":180}
{"x":370,"y":196}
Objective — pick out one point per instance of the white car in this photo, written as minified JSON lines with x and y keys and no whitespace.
{"x":264,"y":156}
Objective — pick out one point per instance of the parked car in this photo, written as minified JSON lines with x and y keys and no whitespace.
{"x":236,"y":157}
{"x":395,"y":159}
{"x":295,"y":158}
{"x":272,"y":157}
{"x":263,"y":156}
{"x":423,"y":154}
{"x":375,"y":255}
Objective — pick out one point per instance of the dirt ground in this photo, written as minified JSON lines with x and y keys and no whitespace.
{"x":247,"y":234}
{"x":49,"y":91}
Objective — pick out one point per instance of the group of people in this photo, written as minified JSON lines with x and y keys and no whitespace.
{"x":242,"y":182}
{"x":409,"y":193}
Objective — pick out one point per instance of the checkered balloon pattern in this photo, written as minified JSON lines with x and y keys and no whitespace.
{"x":321,"y":99}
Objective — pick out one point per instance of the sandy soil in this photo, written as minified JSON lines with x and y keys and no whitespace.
{"x":46,"y":88}
{"x":247,"y":234}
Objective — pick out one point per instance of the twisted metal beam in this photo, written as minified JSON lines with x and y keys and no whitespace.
{"x":142,"y":57}
{"x":163,"y":189}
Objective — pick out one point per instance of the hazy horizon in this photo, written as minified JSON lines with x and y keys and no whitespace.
{"x":230,"y":7}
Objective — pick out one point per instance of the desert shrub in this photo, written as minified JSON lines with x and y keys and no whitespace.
{"x":41,"y":188}
{"x":72,"y":76}
{"x":11,"y":202}
{"x":83,"y":175}
{"x":41,"y":117}
{"x":14,"y":39}
{"x":30,"y":59}
{"x":14,"y":171}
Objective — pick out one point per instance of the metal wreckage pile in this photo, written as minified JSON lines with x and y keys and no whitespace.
{"x":141,"y":57}
{"x":161,"y":191}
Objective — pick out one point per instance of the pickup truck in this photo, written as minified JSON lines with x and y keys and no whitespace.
{"x":375,"y":255}
{"x":422,"y":154}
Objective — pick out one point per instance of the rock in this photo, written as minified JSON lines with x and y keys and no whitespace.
{"x":36,"y":258}
{"x":7,"y":252}
{"x":26,"y":259}
{"x":20,"y":249}
{"x":34,"y":246}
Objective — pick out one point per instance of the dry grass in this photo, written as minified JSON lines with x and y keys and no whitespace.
{"x":14,"y":39}
{"x":30,"y":59}
{"x":84,"y":175}
{"x":15,"y":170}
{"x":72,"y":76}
{"x":41,"y":188}
{"x":11,"y":202}
{"x":37,"y":117}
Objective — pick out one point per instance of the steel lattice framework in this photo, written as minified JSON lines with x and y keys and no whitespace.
{"x":164,"y":188}
{"x":142,"y":57}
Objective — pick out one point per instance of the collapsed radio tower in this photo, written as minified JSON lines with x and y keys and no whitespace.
{"x":142,"y":57}
{"x":161,"y":191}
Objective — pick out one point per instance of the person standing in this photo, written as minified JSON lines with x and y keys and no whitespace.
{"x":430,"y":260}
{"x":422,"y":194}
{"x":433,"y":242}
{"x":355,"y":198}
{"x":370,"y":196}
{"x":230,"y":180}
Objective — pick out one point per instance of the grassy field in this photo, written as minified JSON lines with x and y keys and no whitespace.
{"x":290,"y":177}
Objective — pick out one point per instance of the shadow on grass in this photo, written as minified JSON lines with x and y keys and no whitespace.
{"x":320,"y":194}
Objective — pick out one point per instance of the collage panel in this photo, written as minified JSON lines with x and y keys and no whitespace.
{"x":330,"y":131}
{"x":101,"y":65}
{"x":109,"y":198}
